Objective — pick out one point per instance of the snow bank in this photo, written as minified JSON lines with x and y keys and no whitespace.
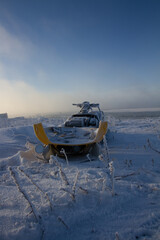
{"x":3,"y":120}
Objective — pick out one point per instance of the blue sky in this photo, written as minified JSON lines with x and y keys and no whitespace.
{"x":53,"y":53}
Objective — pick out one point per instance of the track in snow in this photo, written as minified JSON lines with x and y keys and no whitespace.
{"x":38,"y":200}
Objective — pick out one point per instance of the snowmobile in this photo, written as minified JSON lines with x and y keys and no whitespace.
{"x":77,"y":135}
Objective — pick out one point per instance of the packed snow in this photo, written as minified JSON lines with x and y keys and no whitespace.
{"x":113,"y":193}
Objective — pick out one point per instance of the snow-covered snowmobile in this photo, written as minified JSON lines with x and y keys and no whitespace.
{"x":77,"y":135}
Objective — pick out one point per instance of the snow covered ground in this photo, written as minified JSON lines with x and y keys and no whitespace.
{"x":85,"y":199}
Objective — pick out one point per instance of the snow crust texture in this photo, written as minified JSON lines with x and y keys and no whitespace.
{"x":111,"y":193}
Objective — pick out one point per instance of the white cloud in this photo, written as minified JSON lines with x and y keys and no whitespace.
{"x":13,"y":47}
{"x":19,"y":98}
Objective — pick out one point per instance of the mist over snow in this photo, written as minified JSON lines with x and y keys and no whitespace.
{"x":20,"y":98}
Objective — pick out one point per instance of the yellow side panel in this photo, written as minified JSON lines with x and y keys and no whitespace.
{"x":101,"y":132}
{"x":40,"y":133}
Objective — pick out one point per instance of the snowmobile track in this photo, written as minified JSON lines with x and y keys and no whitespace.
{"x":37,"y":198}
{"x":25,"y":192}
{"x":37,"y":187}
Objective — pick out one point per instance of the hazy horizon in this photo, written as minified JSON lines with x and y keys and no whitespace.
{"x":75,"y":110}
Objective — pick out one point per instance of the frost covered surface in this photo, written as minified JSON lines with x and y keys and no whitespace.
{"x":113,"y":196}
